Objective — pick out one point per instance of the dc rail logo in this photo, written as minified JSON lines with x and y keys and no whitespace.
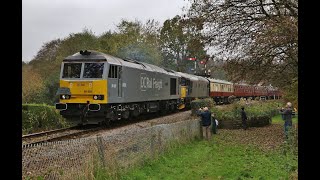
{"x":149,"y":82}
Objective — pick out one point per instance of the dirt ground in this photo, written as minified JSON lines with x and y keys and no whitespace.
{"x":266,"y":138}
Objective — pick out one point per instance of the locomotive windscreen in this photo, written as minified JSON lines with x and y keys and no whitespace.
{"x":71,"y":70}
{"x":93,"y":70}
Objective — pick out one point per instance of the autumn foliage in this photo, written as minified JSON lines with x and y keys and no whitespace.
{"x":40,"y":117}
{"x":32,"y":85}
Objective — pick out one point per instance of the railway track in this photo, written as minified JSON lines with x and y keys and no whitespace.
{"x":79,"y":131}
{"x":57,"y":135}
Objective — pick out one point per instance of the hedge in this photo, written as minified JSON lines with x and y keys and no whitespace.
{"x":259,"y":113}
{"x":41,"y":117}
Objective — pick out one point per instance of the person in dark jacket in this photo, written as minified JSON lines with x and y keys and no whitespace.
{"x":205,"y":122}
{"x":287,"y":117}
{"x":244,"y":119}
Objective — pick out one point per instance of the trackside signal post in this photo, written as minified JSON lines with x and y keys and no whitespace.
{"x":204,"y":62}
{"x":195,"y":63}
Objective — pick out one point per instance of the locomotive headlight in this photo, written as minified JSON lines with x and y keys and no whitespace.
{"x":98,"y":97}
{"x":65,"y":96}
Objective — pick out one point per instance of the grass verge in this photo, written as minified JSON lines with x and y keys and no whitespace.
{"x":258,"y":153}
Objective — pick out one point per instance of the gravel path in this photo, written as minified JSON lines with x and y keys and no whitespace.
{"x":172,"y":118}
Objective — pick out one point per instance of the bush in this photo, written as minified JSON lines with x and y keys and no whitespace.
{"x":259,"y":113}
{"x":200,"y":103}
{"x":41,"y":117}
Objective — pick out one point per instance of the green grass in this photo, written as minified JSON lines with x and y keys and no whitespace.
{"x":278,"y":120}
{"x":216,"y":160}
{"x":219,"y":159}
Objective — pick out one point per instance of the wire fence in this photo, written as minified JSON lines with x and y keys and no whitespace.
{"x":77,"y":158}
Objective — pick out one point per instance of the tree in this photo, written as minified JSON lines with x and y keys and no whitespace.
{"x":32,"y":86}
{"x":216,"y":67}
{"x":133,"y":40}
{"x":75,"y":42}
{"x":48,"y":51}
{"x":257,"y":36}
{"x":180,"y":39}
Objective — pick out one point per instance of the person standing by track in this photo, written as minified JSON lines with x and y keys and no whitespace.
{"x":244,"y":119}
{"x":205,"y":115}
{"x":287,"y":117}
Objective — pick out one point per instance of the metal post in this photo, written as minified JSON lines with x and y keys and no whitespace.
{"x":205,"y":69}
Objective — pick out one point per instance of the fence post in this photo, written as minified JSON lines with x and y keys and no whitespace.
{"x":201,"y":130}
{"x":100,"y":150}
{"x":152,"y":143}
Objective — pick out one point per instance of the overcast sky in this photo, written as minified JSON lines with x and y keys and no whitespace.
{"x":45,"y":20}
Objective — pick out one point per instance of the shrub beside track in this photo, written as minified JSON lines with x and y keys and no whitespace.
{"x":40,"y":117}
{"x":259,"y":113}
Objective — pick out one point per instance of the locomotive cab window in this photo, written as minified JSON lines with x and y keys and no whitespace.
{"x":183,"y":81}
{"x":93,"y":70}
{"x":71,"y":70}
{"x":189,"y":85}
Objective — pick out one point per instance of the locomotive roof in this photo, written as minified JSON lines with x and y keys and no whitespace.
{"x":219,"y":81}
{"x":192,"y":77}
{"x":185,"y":75}
{"x":200,"y":78}
{"x":93,"y":56}
{"x":98,"y":56}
